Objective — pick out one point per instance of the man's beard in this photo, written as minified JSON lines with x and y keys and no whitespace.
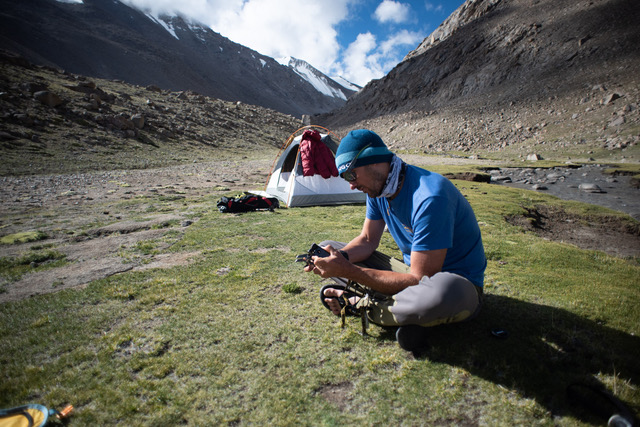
{"x":379,"y":181}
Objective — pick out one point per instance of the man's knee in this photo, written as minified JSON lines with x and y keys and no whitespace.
{"x":442,"y":298}
{"x":455,"y":290}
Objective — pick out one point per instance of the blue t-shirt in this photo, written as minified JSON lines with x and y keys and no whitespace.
{"x":430,"y":213}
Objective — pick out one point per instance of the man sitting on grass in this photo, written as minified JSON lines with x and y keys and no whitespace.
{"x":434,"y":226}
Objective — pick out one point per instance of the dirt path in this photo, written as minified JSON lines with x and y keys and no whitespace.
{"x":98,"y":222}
{"x":50,"y":191}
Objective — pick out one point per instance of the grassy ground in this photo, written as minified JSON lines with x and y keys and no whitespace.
{"x":240,"y":338}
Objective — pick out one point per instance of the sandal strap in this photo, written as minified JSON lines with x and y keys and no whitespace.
{"x":345,"y":305}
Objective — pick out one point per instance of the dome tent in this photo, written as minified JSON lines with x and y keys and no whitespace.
{"x":288,"y":183}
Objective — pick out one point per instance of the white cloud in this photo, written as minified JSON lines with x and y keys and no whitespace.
{"x":402,"y":38}
{"x":361,"y":62}
{"x":392,"y":48}
{"x":365,"y":59}
{"x":392,"y":11}
{"x":304,"y":29}
{"x":432,"y":7}
{"x":158,"y":7}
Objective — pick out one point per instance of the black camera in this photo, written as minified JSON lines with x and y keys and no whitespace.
{"x":315,"y":250}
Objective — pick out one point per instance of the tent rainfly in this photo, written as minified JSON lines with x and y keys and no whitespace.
{"x":288,"y":184}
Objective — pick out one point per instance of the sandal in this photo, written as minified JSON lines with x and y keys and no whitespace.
{"x":349,"y":308}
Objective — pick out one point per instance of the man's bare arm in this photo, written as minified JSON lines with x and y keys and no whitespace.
{"x":423,"y":263}
{"x":361,"y":247}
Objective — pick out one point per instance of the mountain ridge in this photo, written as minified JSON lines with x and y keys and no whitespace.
{"x":109,"y":39}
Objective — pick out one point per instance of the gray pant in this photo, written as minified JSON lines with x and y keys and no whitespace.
{"x":441,"y":298}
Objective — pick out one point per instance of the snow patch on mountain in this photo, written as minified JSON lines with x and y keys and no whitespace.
{"x":346,"y":83}
{"x":318,"y":80}
{"x":165,"y":24}
{"x":198,"y":30}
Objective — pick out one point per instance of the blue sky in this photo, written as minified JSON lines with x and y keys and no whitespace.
{"x":359,"y":40}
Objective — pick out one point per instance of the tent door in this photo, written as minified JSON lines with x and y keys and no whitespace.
{"x":283,"y":180}
{"x":288,"y":166}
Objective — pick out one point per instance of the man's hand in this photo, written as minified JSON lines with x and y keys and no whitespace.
{"x":334,"y":265}
{"x":314,"y":251}
{"x":423,"y":263}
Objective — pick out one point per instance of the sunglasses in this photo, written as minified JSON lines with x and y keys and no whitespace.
{"x":349,"y":175}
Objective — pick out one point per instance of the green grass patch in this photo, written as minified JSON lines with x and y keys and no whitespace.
{"x":240,"y":336}
{"x":625,"y":169}
{"x":292,"y":288}
{"x":13,"y":268}
{"x":24,"y":237}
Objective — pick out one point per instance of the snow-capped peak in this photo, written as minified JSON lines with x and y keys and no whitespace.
{"x":285,"y":60}
{"x":323,"y":84}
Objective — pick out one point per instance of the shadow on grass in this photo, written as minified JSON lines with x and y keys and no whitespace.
{"x":547,"y":350}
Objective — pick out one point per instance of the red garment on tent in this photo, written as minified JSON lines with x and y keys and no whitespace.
{"x":316,"y":157}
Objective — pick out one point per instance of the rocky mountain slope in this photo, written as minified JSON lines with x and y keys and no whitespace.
{"x":58,"y":122}
{"x":108,"y":39}
{"x":513,"y":77}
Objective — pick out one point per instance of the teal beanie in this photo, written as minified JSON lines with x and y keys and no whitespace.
{"x":375,"y":152}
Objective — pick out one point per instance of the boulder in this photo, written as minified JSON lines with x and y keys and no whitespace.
{"x":82,"y":88}
{"x":469,"y":176}
{"x":501,"y":178}
{"x":617,"y":121}
{"x":610,"y":98}
{"x":48,"y":98}
{"x":138,"y":120}
{"x":5,"y":136}
{"x":590,"y":188}
{"x":122,"y":122}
